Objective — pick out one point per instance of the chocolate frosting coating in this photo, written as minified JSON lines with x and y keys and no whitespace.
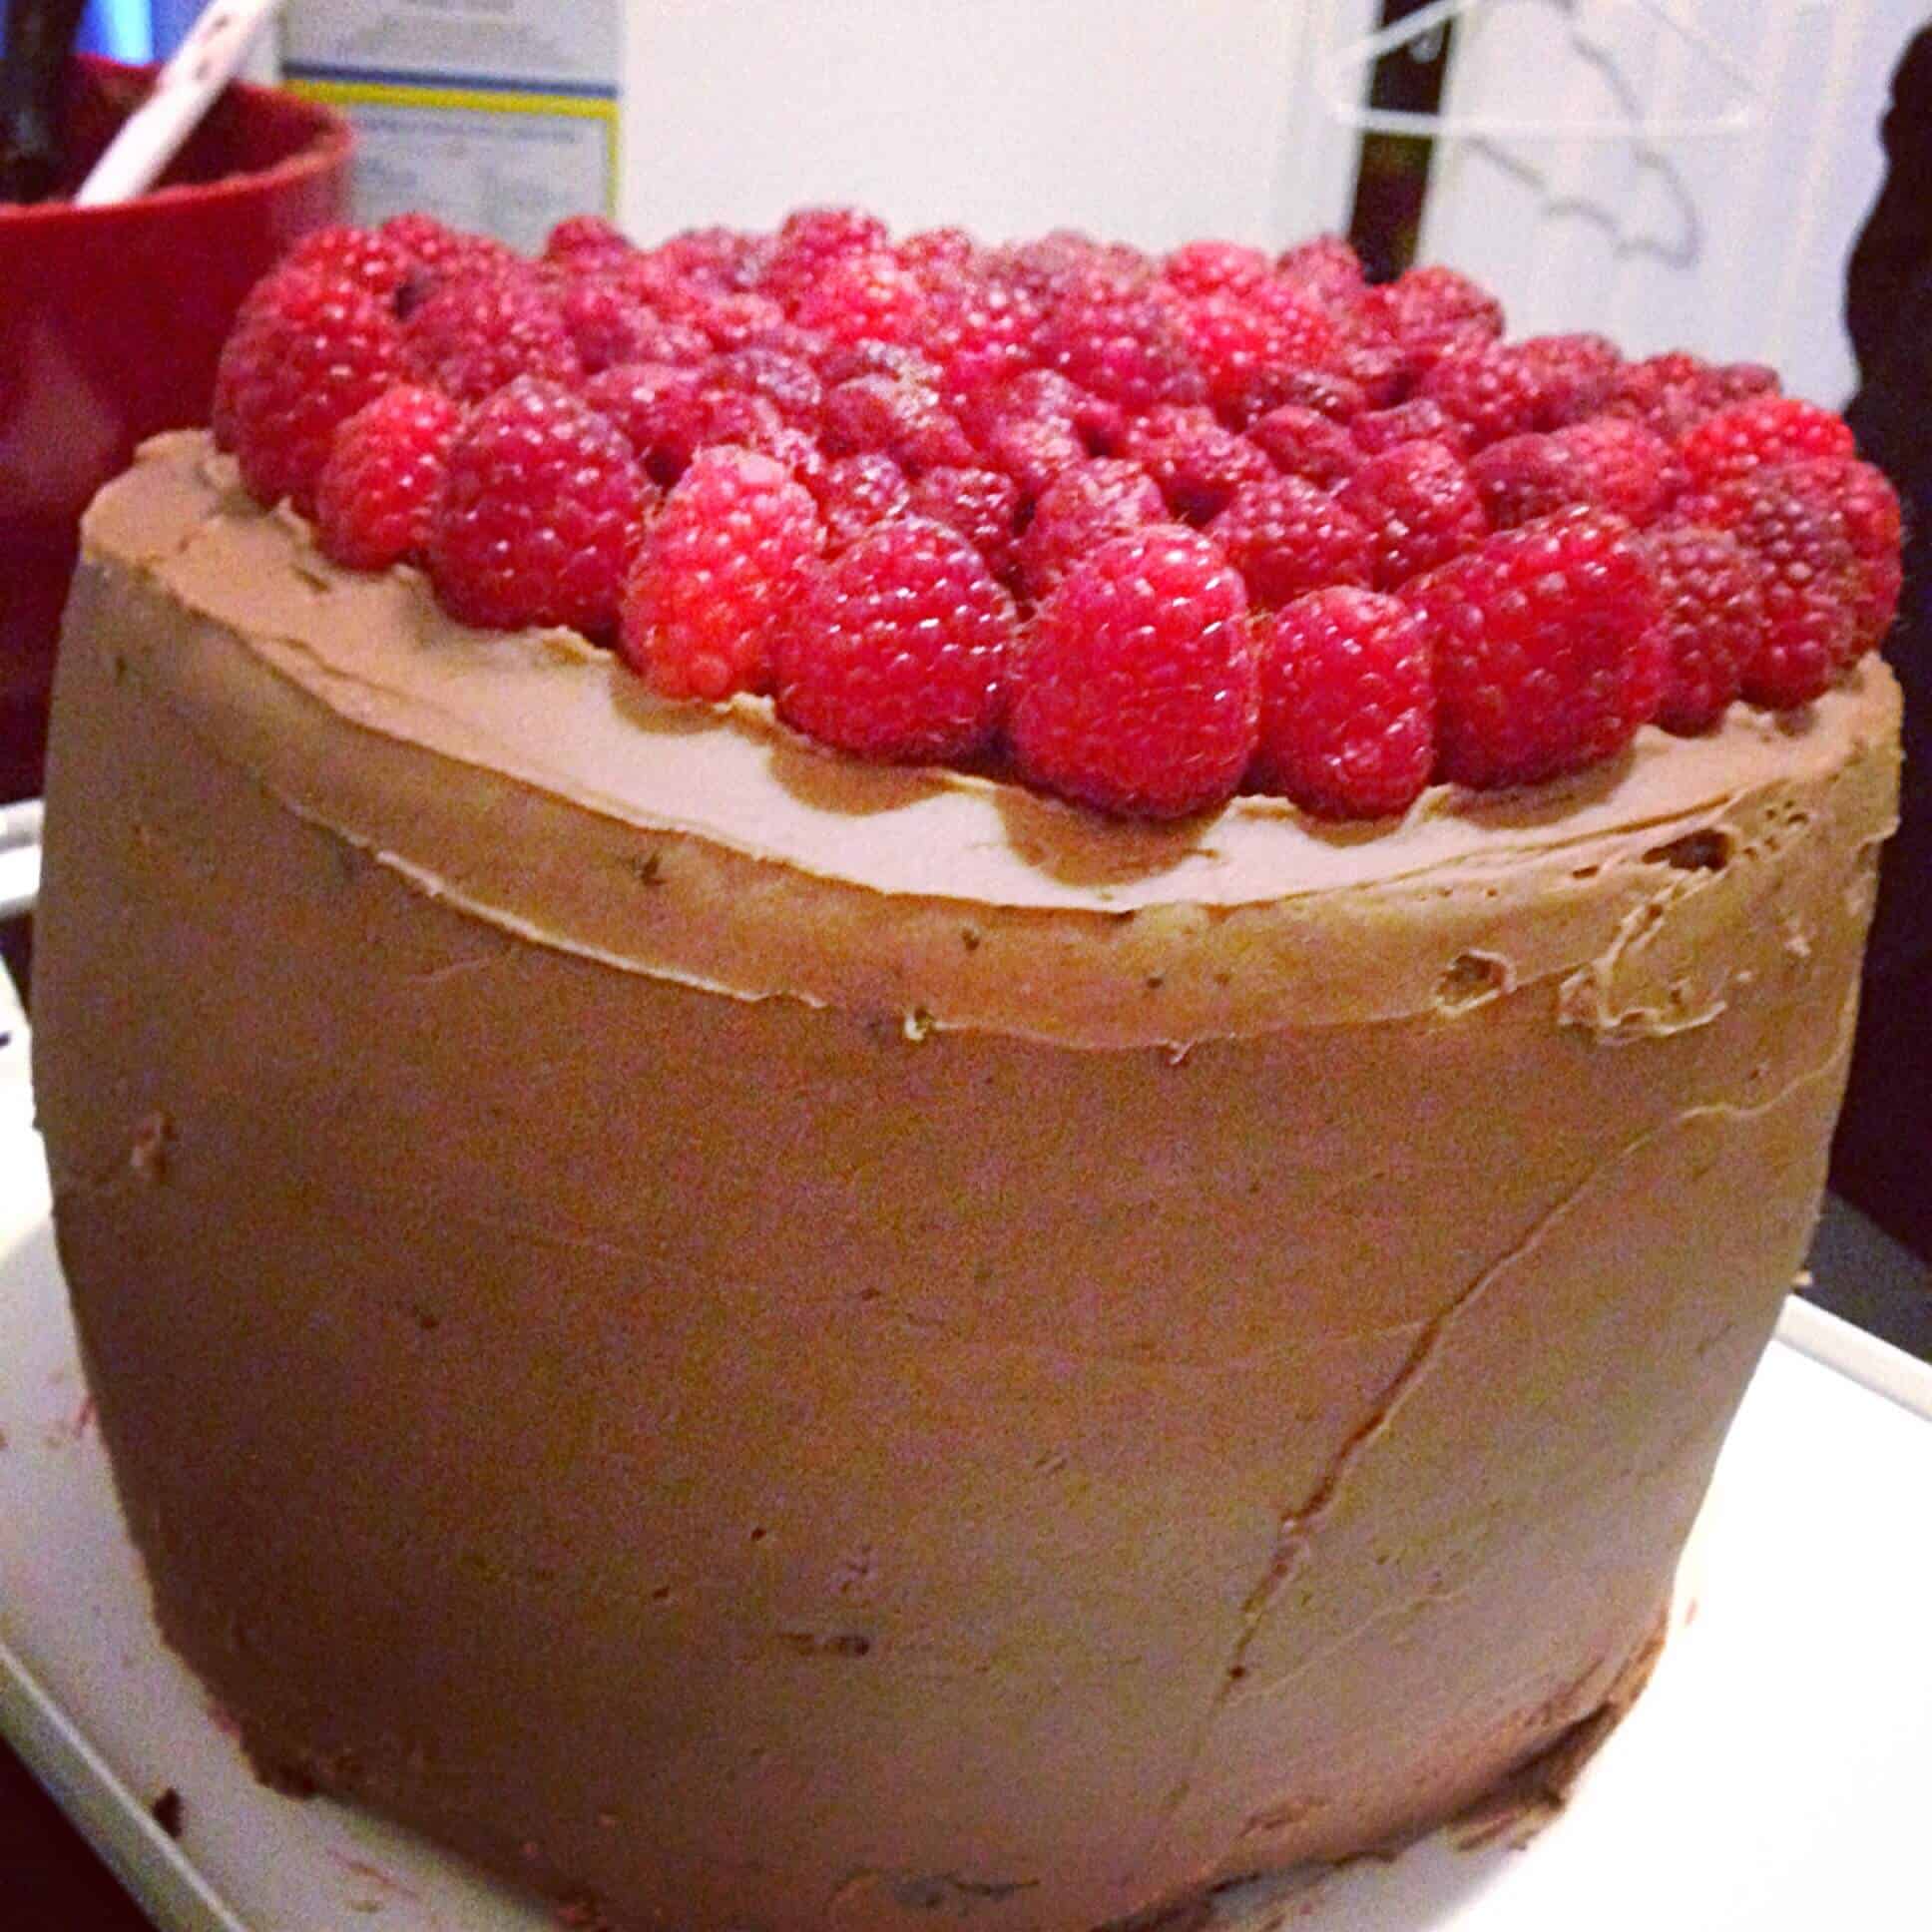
{"x":787,"y":1344}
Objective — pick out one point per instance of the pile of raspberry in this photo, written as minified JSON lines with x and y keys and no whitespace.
{"x":1142,"y":530}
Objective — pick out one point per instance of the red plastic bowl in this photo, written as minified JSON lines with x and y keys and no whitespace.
{"x":111,"y":323}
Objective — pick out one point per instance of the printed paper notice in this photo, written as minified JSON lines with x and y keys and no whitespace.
{"x":495,"y":115}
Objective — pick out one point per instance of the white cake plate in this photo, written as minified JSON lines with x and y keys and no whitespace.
{"x":1774,"y":1777}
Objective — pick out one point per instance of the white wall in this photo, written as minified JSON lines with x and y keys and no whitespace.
{"x":1733,"y":246}
{"x":1147,"y":120}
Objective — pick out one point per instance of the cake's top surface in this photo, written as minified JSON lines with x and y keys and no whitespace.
{"x":1146,"y":533}
{"x":530,"y":776}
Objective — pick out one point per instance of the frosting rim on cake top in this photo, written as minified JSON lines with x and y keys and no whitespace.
{"x":903,"y":878}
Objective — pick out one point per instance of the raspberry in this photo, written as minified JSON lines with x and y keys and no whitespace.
{"x":1611,"y":462}
{"x":1420,"y":508}
{"x":1286,"y":538}
{"x":656,"y":407}
{"x":1195,"y":463}
{"x":838,"y":363}
{"x":1301,"y":442}
{"x":306,"y":352}
{"x":789,"y":384}
{"x":385,"y":466}
{"x":1214,"y":267}
{"x":898,"y":647}
{"x":739,"y":319}
{"x":1869,"y":505}
{"x":1764,"y":429}
{"x":1347,"y":704}
{"x":541,"y":509}
{"x":1321,"y":390}
{"x":715,"y":257}
{"x":684,"y":345}
{"x":1493,"y":390}
{"x":1033,"y":450}
{"x":439,"y":253}
{"x":908,"y":423}
{"x":931,"y":249}
{"x":1811,"y":585}
{"x":1137,"y":690}
{"x":797,"y":451}
{"x":867,"y":297}
{"x":1325,"y":268}
{"x":1523,"y":478}
{"x":584,"y":240}
{"x":366,"y":257}
{"x":472,"y":335}
{"x":856,"y":492}
{"x":607,"y":324}
{"x":982,"y":505}
{"x":1574,"y":374}
{"x":1420,"y":420}
{"x":1123,"y":343}
{"x":1086,"y":502}
{"x":813,"y":238}
{"x":1045,"y":395}
{"x":716,"y":575}
{"x":1432,"y":308}
{"x":979,"y":332}
{"x":1550,"y":648}
{"x":1711,"y":592}
{"x":1241,"y":348}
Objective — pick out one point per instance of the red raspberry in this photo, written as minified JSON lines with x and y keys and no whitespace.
{"x":856,"y":492}
{"x":1214,"y":267}
{"x":1420,"y":508}
{"x":1550,"y":648}
{"x":366,"y":257}
{"x":980,"y":333}
{"x":1611,"y":462}
{"x":797,"y":451}
{"x":1137,"y":690}
{"x":715,"y":257}
{"x":1309,"y":333}
{"x":1033,"y":450}
{"x":656,"y":407}
{"x":812,"y":239}
{"x":607,"y":324}
{"x":864,"y":297}
{"x":384,"y":469}
{"x":1432,"y":308}
{"x":1195,"y":463}
{"x":1241,"y":348}
{"x":1288,"y":537}
{"x":1348,"y":704}
{"x":439,"y":253}
{"x":717,"y":573}
{"x":580,"y":241}
{"x":304,"y":355}
{"x":1492,"y":389}
{"x":789,"y":383}
{"x":1573,"y":375}
{"x":1764,"y":429}
{"x":838,"y":363}
{"x":1086,"y":502}
{"x":899,"y":649}
{"x":740,"y":318}
{"x":932,"y":248}
{"x":1325,"y":268}
{"x":907,"y":423}
{"x":1301,"y":442}
{"x":1045,"y":395}
{"x":541,"y":510}
{"x":684,"y":345}
{"x":1811,"y":585}
{"x":1420,"y":420}
{"x":1123,"y":343}
{"x":1869,"y":505}
{"x":1711,"y":592}
{"x":1321,"y":390}
{"x":472,"y":335}
{"x":982,"y":505}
